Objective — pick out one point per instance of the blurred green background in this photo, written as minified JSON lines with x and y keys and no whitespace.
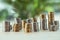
{"x":24,"y":9}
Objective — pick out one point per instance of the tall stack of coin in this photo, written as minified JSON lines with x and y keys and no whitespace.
{"x":16,"y":28}
{"x":43,"y":22}
{"x":50,"y":19}
{"x":19,"y":22}
{"x":28,"y":27}
{"x":8,"y":27}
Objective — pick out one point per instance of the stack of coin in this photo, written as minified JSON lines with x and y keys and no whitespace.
{"x":8,"y":27}
{"x":50,"y":19}
{"x":16,"y":28}
{"x":54,"y":26}
{"x":23,"y":24}
{"x":43,"y":22}
{"x":28,"y":27}
{"x":19,"y":22}
{"x":35,"y":26}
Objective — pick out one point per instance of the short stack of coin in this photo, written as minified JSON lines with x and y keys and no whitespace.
{"x":8,"y":27}
{"x":28,"y":26}
{"x":57,"y":25}
{"x":35,"y":25}
{"x":54,"y":26}
{"x":19,"y":22}
{"x":16,"y":28}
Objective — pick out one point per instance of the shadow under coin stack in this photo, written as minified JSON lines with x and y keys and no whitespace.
{"x":8,"y":27}
{"x":52,"y":24}
{"x":43,"y":22}
{"x":35,"y":25}
{"x":28,"y":26}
